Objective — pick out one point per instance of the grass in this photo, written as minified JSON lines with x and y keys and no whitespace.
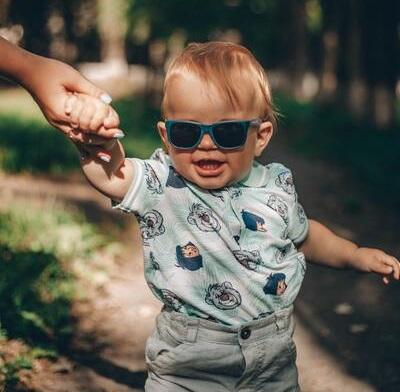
{"x":39,"y":248}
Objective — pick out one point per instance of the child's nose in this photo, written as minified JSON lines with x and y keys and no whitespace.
{"x":206,"y":143}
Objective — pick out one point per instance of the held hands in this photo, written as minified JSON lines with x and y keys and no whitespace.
{"x":93,"y":125}
{"x":377,"y":261}
{"x":50,"y":81}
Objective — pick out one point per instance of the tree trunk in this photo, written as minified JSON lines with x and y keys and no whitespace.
{"x":330,"y":46}
{"x":112,"y":25}
{"x":381,"y":59}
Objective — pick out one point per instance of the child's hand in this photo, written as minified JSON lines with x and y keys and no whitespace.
{"x":88,"y":117}
{"x":375,"y":260}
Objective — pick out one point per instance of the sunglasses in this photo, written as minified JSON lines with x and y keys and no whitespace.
{"x":225,"y":134}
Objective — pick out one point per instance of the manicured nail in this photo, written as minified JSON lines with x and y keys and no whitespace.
{"x":119,"y":135}
{"x":105,"y":98}
{"x":105,"y":158}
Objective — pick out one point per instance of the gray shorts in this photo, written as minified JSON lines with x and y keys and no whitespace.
{"x":191,"y":354}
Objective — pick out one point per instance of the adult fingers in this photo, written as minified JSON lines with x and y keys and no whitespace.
{"x":80,"y":84}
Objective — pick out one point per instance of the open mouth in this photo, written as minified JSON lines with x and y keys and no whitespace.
{"x":209,"y":166}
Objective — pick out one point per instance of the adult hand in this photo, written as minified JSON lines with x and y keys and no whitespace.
{"x":51,"y":85}
{"x":50,"y":82}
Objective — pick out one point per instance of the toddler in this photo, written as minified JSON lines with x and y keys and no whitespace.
{"x":224,"y":237}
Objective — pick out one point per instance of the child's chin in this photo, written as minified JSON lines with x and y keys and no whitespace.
{"x":211,"y":183}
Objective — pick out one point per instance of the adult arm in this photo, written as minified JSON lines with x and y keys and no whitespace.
{"x":49,"y":82}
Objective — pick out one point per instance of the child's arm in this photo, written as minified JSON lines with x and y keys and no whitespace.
{"x":324,"y":247}
{"x":49,"y":81}
{"x":103,"y":160}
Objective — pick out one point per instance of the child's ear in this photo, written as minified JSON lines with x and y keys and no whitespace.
{"x":162,"y":131}
{"x":264,"y":135}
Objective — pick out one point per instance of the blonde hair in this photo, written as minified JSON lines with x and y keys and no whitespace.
{"x":229,"y":67}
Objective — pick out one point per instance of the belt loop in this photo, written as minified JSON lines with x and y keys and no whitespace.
{"x":192,"y":328}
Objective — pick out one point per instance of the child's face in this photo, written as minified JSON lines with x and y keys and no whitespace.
{"x":206,"y":165}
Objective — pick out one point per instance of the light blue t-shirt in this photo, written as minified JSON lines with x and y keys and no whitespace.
{"x":229,"y":254}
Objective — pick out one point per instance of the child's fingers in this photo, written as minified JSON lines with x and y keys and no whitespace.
{"x":112,"y":120}
{"x":69,"y":103}
{"x":76,"y":113}
{"x":86,"y":116}
{"x":98,"y":118}
{"x":394,"y":264}
{"x":97,"y":152}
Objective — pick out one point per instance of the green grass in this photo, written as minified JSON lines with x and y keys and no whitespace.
{"x":39,"y":247}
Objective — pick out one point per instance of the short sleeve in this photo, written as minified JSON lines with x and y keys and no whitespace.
{"x":297,"y":222}
{"x":147,"y":186}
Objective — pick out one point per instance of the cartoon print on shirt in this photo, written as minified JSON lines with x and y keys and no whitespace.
{"x":203,"y":218}
{"x":281,"y":253}
{"x":301,"y":214}
{"x":278,"y":205}
{"x":276,"y":284}
{"x":154,"y":264}
{"x":174,"y":180}
{"x":236,"y":193}
{"x":285,"y":182}
{"x":189,"y":257}
{"x":217,"y":194}
{"x":223,"y":296}
{"x":151,"y":225}
{"x":152,"y":181}
{"x":158,"y":155}
{"x":253,"y":222}
{"x":262,"y":315}
{"x":170,"y":299}
{"x":250,"y":259}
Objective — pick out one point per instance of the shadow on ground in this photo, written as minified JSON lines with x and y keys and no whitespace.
{"x":353,"y":315}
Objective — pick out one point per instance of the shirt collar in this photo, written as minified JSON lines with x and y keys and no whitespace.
{"x":257,"y":177}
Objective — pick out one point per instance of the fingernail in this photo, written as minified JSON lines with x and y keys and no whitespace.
{"x":105,"y":158}
{"x":105,"y":98}
{"x":119,"y":135}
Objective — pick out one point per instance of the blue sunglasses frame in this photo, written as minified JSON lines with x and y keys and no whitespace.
{"x":209,"y":129}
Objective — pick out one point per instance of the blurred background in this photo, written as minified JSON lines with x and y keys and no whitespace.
{"x":334,"y":71}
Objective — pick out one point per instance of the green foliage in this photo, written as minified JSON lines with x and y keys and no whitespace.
{"x":37,"y":247}
{"x":258,"y":21}
{"x":28,"y":145}
{"x":329,"y":133}
{"x":138,"y":121}
{"x":9,"y":370}
{"x":36,"y":285}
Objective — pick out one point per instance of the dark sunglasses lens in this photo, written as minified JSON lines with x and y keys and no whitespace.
{"x":184,"y":135}
{"x":230,"y":135}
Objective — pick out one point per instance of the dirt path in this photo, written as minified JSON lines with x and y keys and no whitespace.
{"x":114,"y":322}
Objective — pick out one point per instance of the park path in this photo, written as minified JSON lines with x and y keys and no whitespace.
{"x":115,"y":319}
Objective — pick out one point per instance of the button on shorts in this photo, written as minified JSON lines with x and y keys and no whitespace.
{"x":191,"y":354}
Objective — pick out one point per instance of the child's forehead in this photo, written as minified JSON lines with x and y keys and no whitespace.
{"x":186,"y":91}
